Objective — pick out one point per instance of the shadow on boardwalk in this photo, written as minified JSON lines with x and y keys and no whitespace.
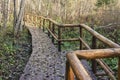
{"x":45,"y":63}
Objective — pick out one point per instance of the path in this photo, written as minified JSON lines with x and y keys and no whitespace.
{"x":45,"y":63}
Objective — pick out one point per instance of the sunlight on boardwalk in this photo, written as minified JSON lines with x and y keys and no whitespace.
{"x":45,"y":61}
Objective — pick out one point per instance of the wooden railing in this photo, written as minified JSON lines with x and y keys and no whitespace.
{"x":53,"y":28}
{"x":74,"y":67}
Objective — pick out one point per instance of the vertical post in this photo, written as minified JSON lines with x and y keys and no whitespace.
{"x":40,"y":21}
{"x":49,"y":27}
{"x":28,"y":19}
{"x":24,"y":20}
{"x":53,"y":31}
{"x":119,"y":68}
{"x":43,"y":25}
{"x":80,"y":31}
{"x":59,"y":37}
{"x":32,"y":18}
{"x":94,"y":63}
{"x":35,"y":20}
{"x":69,"y":75}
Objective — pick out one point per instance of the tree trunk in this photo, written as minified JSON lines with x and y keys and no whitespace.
{"x":19,"y":19}
{"x":5,"y":13}
{"x":9,"y":2}
{"x":15,"y":15}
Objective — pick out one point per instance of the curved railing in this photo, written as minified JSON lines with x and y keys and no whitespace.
{"x":74,"y":65}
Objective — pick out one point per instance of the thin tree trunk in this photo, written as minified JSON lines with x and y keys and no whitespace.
{"x":9,"y":2}
{"x":0,"y":12}
{"x":39,"y":7}
{"x":15,"y":16}
{"x":20,"y":15}
{"x":5,"y":13}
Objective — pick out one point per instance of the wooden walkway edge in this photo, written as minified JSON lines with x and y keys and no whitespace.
{"x":45,"y":62}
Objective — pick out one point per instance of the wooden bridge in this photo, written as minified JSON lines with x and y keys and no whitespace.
{"x":48,"y":63}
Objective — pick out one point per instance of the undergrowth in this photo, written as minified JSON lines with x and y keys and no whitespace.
{"x":112,"y":34}
{"x":13,"y":57}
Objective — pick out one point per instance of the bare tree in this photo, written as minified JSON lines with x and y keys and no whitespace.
{"x":5,"y":13}
{"x":18,"y":19}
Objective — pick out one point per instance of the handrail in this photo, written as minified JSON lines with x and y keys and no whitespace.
{"x":100,"y":62}
{"x":100,"y":37}
{"x":77,"y":67}
{"x":73,"y":59}
{"x":96,"y":55}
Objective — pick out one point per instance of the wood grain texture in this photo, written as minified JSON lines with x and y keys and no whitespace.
{"x":98,"y":53}
{"x":77,"y":67}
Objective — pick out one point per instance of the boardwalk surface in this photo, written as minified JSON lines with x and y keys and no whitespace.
{"x":45,"y":63}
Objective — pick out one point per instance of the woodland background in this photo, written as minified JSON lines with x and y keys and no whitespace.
{"x":15,"y":43}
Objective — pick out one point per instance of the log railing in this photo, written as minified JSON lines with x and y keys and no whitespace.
{"x":53,"y":28}
{"x":74,"y":67}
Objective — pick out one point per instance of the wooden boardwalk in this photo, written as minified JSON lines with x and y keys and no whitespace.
{"x":45,"y":63}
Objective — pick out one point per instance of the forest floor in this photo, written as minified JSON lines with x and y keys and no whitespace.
{"x":14,"y":58}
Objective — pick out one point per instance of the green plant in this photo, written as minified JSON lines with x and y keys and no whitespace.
{"x":0,"y":78}
{"x":102,"y":2}
{"x":11,"y":55}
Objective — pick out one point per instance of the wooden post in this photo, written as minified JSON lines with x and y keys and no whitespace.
{"x":32,"y":19}
{"x":59,"y":37}
{"x":28,"y":19}
{"x":40,"y":22}
{"x":80,"y":31}
{"x":43,"y":25}
{"x":119,"y":68}
{"x":53,"y":31}
{"x":69,"y":75}
{"x":49,"y":28}
{"x":35,"y":20}
{"x":94,"y":63}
